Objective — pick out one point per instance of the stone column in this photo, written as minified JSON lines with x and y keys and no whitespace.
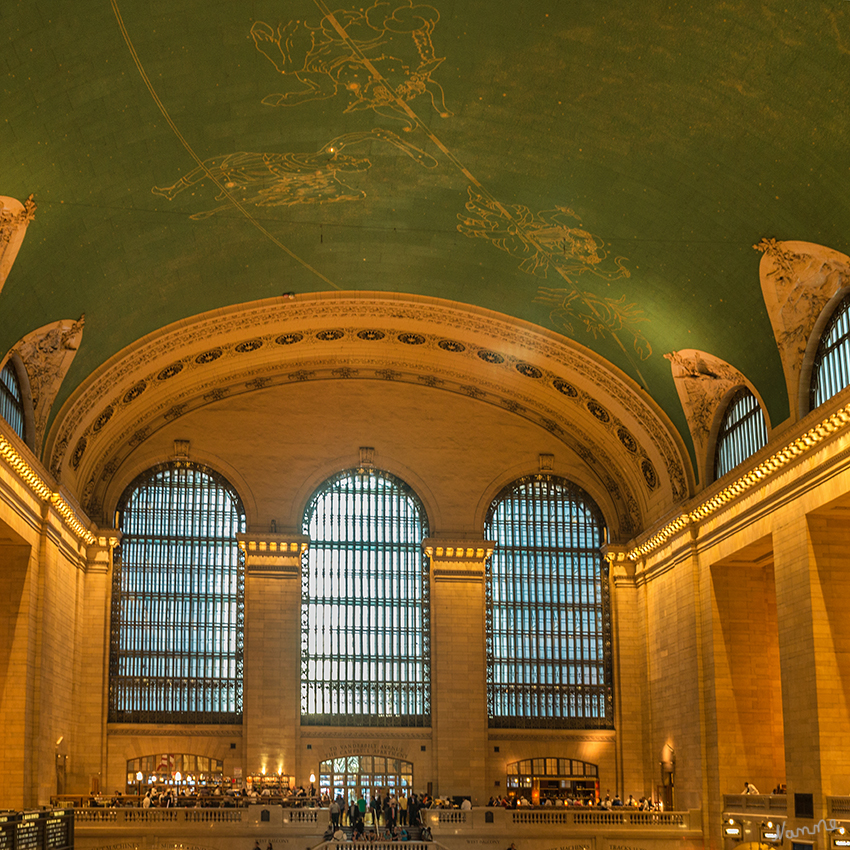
{"x":87,"y":766}
{"x":629,"y":671}
{"x":459,"y":665}
{"x":812,"y":587}
{"x":271,"y":700}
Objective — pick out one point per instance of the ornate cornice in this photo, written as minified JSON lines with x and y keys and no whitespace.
{"x":792,"y":452}
{"x":35,"y":483}
{"x":458,"y":559}
{"x":454,"y":550}
{"x":535,"y":374}
{"x":273,"y":555}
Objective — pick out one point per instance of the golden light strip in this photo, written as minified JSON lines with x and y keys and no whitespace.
{"x":34,"y":481}
{"x":803,"y":444}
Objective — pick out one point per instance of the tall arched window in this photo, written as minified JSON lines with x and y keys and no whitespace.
{"x":178,"y":600}
{"x":742,"y":432}
{"x":11,"y":399}
{"x":831,"y":370}
{"x":548,"y":623}
{"x":366,"y":634}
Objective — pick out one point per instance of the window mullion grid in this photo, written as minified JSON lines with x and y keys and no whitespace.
{"x":181,"y":656}
{"x":552,"y":599}
{"x":377,"y":630}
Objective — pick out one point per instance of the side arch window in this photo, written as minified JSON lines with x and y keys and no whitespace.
{"x":178,"y":600}
{"x":365,"y":643}
{"x":742,"y":432}
{"x":12,"y":399}
{"x":548,"y":613}
{"x":831,"y":369}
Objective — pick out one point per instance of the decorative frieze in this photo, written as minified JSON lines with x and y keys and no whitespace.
{"x":395,"y":340}
{"x":272,"y":553}
{"x":457,"y":559}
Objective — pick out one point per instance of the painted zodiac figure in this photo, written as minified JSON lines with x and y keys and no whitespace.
{"x":286,"y":179}
{"x":550,"y":241}
{"x":381,"y":57}
{"x":541,"y":240}
{"x":600,"y":316}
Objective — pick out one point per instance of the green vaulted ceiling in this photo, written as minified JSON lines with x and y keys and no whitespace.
{"x":602,"y":169}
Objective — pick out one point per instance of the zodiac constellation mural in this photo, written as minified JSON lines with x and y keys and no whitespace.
{"x":381,"y":57}
{"x":549,"y":241}
{"x":286,"y":179}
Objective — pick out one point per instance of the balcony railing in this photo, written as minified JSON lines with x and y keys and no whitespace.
{"x":838,"y":807}
{"x":568,"y":818}
{"x":774,"y":803}
{"x":445,"y":821}
{"x":277,"y":815}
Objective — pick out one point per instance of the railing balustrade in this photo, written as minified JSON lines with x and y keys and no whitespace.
{"x":838,"y":806}
{"x":777,"y":803}
{"x":439,"y":820}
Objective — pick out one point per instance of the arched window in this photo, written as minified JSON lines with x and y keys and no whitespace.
{"x":11,"y":398}
{"x":548,"y":624}
{"x":365,"y":645}
{"x":831,"y":370}
{"x":365,"y":776}
{"x":178,"y":600}
{"x":184,"y":770}
{"x":742,"y":432}
{"x":555,"y":778}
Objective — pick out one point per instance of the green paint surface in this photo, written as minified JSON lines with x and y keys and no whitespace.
{"x":601,"y":169}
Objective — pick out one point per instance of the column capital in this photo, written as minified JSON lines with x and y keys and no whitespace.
{"x":99,"y":553}
{"x":458,"y":558}
{"x":269,"y":552}
{"x":622,"y":570}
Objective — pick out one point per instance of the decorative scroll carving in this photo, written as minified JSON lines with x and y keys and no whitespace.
{"x":47,"y":354}
{"x":797,"y":281}
{"x":702,"y":381}
{"x":14,"y":219}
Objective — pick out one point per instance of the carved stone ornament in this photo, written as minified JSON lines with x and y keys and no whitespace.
{"x":702,"y":382}
{"x":797,"y":281}
{"x":633,"y":454}
{"x":14,"y":219}
{"x":47,"y":354}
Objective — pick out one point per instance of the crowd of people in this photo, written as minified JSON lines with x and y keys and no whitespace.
{"x":219,"y":795}
{"x":389,"y":817}
{"x":644,"y":804}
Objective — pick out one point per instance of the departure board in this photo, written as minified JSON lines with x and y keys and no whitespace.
{"x":42,"y":830}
